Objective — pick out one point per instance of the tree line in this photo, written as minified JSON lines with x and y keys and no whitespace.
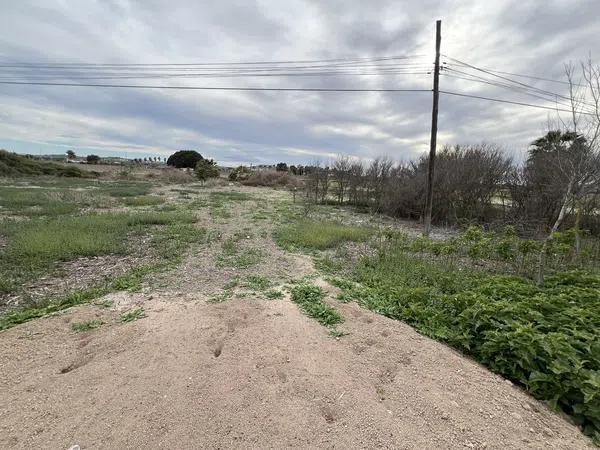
{"x":559,"y":180}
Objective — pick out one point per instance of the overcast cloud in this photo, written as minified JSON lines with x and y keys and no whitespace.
{"x":524,"y":36}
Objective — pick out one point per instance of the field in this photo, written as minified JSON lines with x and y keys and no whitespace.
{"x":147,"y":312}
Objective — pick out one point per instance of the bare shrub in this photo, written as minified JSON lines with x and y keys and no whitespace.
{"x":269,"y":178}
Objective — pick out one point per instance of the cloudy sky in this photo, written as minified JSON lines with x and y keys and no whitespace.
{"x":524,"y":36}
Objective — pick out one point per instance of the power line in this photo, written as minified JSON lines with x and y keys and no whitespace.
{"x":212,"y":88}
{"x":503,"y":78}
{"x":73,"y":64}
{"x":510,"y":102}
{"x":506,"y":86}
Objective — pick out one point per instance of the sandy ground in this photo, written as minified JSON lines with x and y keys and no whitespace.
{"x":252,"y":373}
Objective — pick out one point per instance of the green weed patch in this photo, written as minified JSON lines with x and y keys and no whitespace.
{"x":544,"y":338}
{"x":310,"y":300}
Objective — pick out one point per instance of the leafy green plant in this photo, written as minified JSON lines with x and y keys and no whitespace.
{"x":134,"y":314}
{"x":544,"y":338}
{"x":310,"y":300}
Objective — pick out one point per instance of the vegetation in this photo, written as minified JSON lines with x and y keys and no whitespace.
{"x":81,"y":327}
{"x":542,"y":337}
{"x":205,"y":169}
{"x":92,"y":159}
{"x":319,"y":235}
{"x":310,"y":300}
{"x":143,"y":200}
{"x":133,"y":315}
{"x":13,"y":165}
{"x":184,"y":159}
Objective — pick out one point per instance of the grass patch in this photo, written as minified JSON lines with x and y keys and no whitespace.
{"x":37,"y":245}
{"x":81,"y":327}
{"x":73,"y":299}
{"x":221,"y":196}
{"x":310,"y":300}
{"x":257,"y":283}
{"x":320,"y":235}
{"x":133,"y":315}
{"x":127,"y":189}
{"x":544,"y":338}
{"x":273,"y":294}
{"x":143,"y":200}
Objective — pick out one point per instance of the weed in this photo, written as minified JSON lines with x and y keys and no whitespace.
{"x":257,"y":283}
{"x":81,"y":327}
{"x":310,"y":299}
{"x":337,"y":333}
{"x":134,"y":314}
{"x":143,"y":200}
{"x":221,"y":196}
{"x":273,"y":294}
{"x":105,"y":304}
{"x":319,"y":235}
{"x":544,"y":338}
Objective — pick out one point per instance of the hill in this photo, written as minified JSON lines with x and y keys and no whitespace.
{"x":13,"y":165}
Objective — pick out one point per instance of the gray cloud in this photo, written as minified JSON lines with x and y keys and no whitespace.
{"x":253,"y":127}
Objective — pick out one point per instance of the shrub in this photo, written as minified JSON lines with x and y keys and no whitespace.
{"x":268,"y":178}
{"x":205,"y":169}
{"x":184,"y":159}
{"x":92,"y":159}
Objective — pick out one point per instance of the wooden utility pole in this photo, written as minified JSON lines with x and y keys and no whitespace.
{"x":434,"y":123}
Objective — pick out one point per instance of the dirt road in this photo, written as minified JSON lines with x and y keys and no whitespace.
{"x":252,"y":373}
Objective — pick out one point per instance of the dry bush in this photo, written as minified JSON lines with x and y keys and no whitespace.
{"x":176,"y":176}
{"x":269,"y":178}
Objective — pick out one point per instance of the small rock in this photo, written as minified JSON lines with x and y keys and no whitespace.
{"x":74,"y":447}
{"x":508,"y":382}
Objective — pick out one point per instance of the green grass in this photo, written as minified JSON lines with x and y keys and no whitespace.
{"x":81,"y":327}
{"x":545,"y":338}
{"x":240,"y":259}
{"x":310,"y":300}
{"x":320,"y":235}
{"x":257,"y":283}
{"x":143,"y":200}
{"x":134,"y":314}
{"x":126,"y":189}
{"x":32,"y":201}
{"x":73,"y":299}
{"x":38,"y":245}
{"x":221,"y":196}
{"x":273,"y":294}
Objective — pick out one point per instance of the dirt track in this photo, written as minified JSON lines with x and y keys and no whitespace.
{"x":280,"y":381}
{"x":252,"y":373}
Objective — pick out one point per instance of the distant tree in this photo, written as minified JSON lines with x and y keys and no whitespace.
{"x":205,"y":169}
{"x":92,"y":159}
{"x":281,"y":167}
{"x":294,"y":170}
{"x":185,"y":158}
{"x":71,"y":154}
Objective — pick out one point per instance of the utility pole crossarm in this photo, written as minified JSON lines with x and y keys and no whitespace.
{"x":434,"y":124}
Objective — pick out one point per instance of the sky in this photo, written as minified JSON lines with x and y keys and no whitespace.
{"x":532,"y":37}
